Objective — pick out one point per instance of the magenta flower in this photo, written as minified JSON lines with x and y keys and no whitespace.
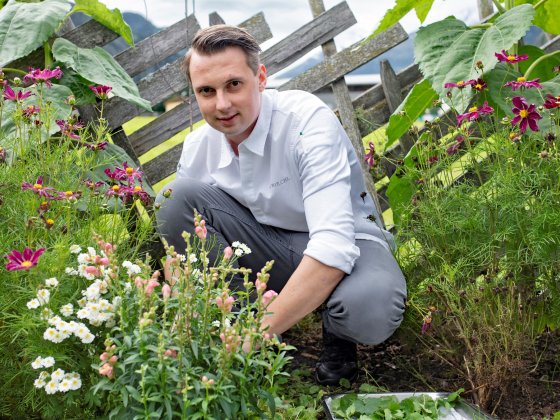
{"x":510,"y":58}
{"x":38,"y":188}
{"x":18,"y":96}
{"x":30,"y":111}
{"x":427,"y":323}
{"x":474,"y":113}
{"x":525,"y":114}
{"x":552,"y":102}
{"x":67,"y":128}
{"x":2,"y":155}
{"x":101,"y":91}
{"x":128,"y":172}
{"x":42,"y":76}
{"x":68,"y":195}
{"x":94,"y":186}
{"x":521,"y":82}
{"x":25,"y":261}
{"x":96,"y":146}
{"x":454,"y":147}
{"x":478,"y":84}
{"x":369,"y":156}
{"x":460,"y":84}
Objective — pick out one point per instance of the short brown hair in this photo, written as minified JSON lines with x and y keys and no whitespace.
{"x":217,"y":38}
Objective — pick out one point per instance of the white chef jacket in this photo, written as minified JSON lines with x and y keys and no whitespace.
{"x":297,"y":170}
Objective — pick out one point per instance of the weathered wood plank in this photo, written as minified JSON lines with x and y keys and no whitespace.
{"x":321,"y":29}
{"x":91,"y":34}
{"x":347,"y":60}
{"x":258,"y":27}
{"x":215,"y":19}
{"x":162,"y":166}
{"x":158,"y":46}
{"x":166,"y":82}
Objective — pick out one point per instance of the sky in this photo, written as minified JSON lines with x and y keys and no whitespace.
{"x":285,"y":16}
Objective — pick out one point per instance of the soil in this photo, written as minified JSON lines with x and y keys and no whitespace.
{"x":395,"y":367}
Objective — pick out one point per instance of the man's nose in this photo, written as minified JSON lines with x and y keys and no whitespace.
{"x":222,"y":101}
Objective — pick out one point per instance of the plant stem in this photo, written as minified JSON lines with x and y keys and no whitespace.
{"x":538,"y":61}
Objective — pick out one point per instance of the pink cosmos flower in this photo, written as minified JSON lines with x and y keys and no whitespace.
{"x":101,"y":91}
{"x":460,"y":84}
{"x":93,"y":185}
{"x":521,"y":82}
{"x":42,"y":76}
{"x":67,"y":128}
{"x":30,"y":111}
{"x":510,"y":58}
{"x":23,"y":261}
{"x":18,"y":96}
{"x":369,"y":156}
{"x":474,"y":113}
{"x":128,"y":172}
{"x":478,"y":84}
{"x":68,"y":195}
{"x":525,"y":114}
{"x":454,"y":147}
{"x":38,"y":188}
{"x":552,"y":102}
{"x":96,"y":146}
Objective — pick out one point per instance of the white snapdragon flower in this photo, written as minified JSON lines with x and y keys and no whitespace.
{"x":75,"y":249}
{"x":92,"y":292}
{"x":83,"y":259}
{"x":127,"y":287}
{"x":33,"y":304}
{"x":51,"y":387}
{"x":52,"y":282}
{"x":37,"y":363}
{"x":43,"y":295}
{"x":92,"y":252}
{"x":67,"y":309}
{"x":83,"y":273}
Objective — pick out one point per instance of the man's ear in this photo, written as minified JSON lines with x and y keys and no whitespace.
{"x":262,"y":77}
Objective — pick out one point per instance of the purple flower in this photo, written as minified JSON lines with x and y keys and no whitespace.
{"x":25,"y":261}
{"x":101,"y":91}
{"x":369,"y":156}
{"x":478,"y":84}
{"x":38,"y":188}
{"x":96,"y":146}
{"x":18,"y":96}
{"x":30,"y":110}
{"x":474,"y":113}
{"x":128,"y":172}
{"x":427,"y":324}
{"x":93,"y":185}
{"x":552,"y":102}
{"x":521,"y":82}
{"x":454,"y":147}
{"x":68,"y":195}
{"x":460,"y":84}
{"x":67,"y":128}
{"x":525,"y":114}
{"x":42,"y":76}
{"x":510,"y":58}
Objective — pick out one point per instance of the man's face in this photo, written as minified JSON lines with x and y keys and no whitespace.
{"x":227,"y":91}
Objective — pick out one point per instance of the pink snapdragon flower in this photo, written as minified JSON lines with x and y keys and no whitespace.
{"x":225,"y":302}
{"x":42,"y":76}
{"x":18,"y":96}
{"x":23,"y":261}
{"x":521,"y":82}
{"x":200,"y":229}
{"x":525,"y":114}
{"x":228,"y":253}
{"x":505,"y":57}
{"x":107,"y":370}
{"x":268,"y":297}
{"x":474,"y":113}
{"x":101,"y":91}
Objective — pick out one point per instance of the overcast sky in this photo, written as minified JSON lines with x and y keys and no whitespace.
{"x":285,"y":16}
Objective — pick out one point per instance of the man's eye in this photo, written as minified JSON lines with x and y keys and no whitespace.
{"x":205,"y":91}
{"x":235,"y":83}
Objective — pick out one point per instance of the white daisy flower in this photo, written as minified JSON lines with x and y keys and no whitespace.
{"x":50,"y":334}
{"x":39,"y":383}
{"x":75,"y":382}
{"x":57,"y":375}
{"x":52,"y":282}
{"x":65,"y":385}
{"x":33,"y":304}
{"x":37,"y":363}
{"x":71,"y":271}
{"x":75,"y":249}
{"x":43,"y":295}
{"x":47,"y":362}
{"x":51,"y":387}
{"x":46,"y":313}
{"x":67,"y":309}
{"x":192,"y":258}
{"x":88,"y":338}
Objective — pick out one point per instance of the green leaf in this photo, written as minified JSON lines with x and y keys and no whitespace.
{"x":418,"y":99}
{"x":98,"y":66}
{"x":25,"y":26}
{"x":401,"y":9}
{"x":447,"y":51}
{"x":79,"y":87}
{"x":111,"y":19}
{"x":546,"y":16}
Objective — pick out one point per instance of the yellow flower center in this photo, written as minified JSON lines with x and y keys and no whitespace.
{"x":521,"y":79}
{"x":115,"y":188}
{"x":50,"y":222}
{"x":26,"y":264}
{"x":512,"y":135}
{"x":460,"y":82}
{"x":137,"y":188}
{"x":473,"y":109}
{"x":68,"y":193}
{"x":38,"y":186}
{"x":511,"y":57}
{"x":523,"y":113}
{"x":478,"y":86}
{"x":129,"y":171}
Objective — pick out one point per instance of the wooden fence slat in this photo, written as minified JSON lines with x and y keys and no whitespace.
{"x":164,"y":165}
{"x":215,"y":19}
{"x":308,"y":37}
{"x":321,"y":29}
{"x":91,"y":34}
{"x":158,"y":46}
{"x":349,"y":59}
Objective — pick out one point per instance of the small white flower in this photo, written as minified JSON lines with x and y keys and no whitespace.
{"x":39,"y":383}
{"x":50,"y":334}
{"x":46,"y":313}
{"x":43,"y":295}
{"x":236,"y":244}
{"x":216,"y":324}
{"x":37,"y":363}
{"x":33,"y":304}
{"x":227,"y":323}
{"x":83,"y":259}
{"x":65,"y":385}
{"x":182,"y":257}
{"x":126,"y":264}
{"x":110,"y":323}
{"x":67,"y":309}
{"x":54,"y":320}
{"x":71,"y":271}
{"x":44,"y":375}
{"x":57,"y":375}
{"x":91,"y":251}
{"x":83,"y":313}
{"x":52,"y":282}
{"x":75,"y":381}
{"x":127,"y":286}
{"x":82,"y":302}
{"x":75,"y":249}
{"x":88,"y":338}
{"x":192,"y":258}
{"x":47,"y":362}
{"x":238,"y":252}
{"x":51,"y":387}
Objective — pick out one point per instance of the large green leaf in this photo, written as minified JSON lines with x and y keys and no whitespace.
{"x":401,"y":9}
{"x":25,"y":26}
{"x":56,"y":95}
{"x":546,"y":17}
{"x":418,"y":99}
{"x":100,"y":67}
{"x":447,"y":51}
{"x":111,"y":19}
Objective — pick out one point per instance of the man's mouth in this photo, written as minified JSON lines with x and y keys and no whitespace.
{"x":226,"y":119}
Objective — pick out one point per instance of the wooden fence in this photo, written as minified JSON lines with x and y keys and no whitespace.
{"x":374,"y":106}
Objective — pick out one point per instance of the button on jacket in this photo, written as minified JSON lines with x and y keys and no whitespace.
{"x":297,"y":170}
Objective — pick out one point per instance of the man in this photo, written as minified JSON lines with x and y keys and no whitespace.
{"x":276,"y":171}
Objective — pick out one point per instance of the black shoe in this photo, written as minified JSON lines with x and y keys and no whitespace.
{"x":339,"y":360}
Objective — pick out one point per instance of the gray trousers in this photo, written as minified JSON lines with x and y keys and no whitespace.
{"x":366,"y":306}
